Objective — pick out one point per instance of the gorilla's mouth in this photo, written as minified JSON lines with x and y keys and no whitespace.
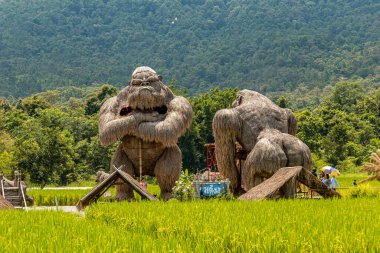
{"x":125,"y":111}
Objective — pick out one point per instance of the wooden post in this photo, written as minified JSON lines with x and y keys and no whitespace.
{"x":23,"y":195}
{"x":140,"y":158}
{"x":17,"y":178}
{"x":2,"y":184}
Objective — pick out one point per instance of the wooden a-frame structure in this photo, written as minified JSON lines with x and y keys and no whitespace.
{"x":102,"y":187}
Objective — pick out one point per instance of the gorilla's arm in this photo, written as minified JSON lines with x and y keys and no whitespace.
{"x":227,"y":127}
{"x":113,"y":128}
{"x":292,"y":122}
{"x":175,"y":123}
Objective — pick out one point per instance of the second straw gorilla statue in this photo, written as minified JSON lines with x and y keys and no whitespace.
{"x":266,"y":133}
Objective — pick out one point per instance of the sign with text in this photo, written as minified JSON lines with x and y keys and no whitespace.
{"x":211,"y":189}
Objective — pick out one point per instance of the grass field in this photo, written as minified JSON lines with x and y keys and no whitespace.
{"x":71,"y":197}
{"x":346,"y":225}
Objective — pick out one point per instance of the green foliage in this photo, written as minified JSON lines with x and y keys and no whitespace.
{"x":311,"y":129}
{"x":95,"y":101}
{"x":183,"y":189}
{"x":52,"y":144}
{"x":32,"y":105}
{"x":8,"y":163}
{"x":59,"y":144}
{"x":205,"y":106}
{"x":345,"y":96}
{"x":262,"y":45}
{"x":282,"y":102}
{"x":364,"y":191}
{"x":343,"y":130}
{"x":46,"y":153}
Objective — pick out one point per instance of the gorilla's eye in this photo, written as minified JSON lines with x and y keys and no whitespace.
{"x":161,"y":109}
{"x":125,"y":111}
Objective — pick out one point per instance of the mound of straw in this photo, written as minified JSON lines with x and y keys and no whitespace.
{"x":4,"y":204}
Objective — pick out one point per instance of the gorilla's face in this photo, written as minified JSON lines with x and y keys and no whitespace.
{"x":145,"y":93}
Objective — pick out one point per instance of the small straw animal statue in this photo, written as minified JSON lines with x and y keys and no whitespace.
{"x":101,"y":176}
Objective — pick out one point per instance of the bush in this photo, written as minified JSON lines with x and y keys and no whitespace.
{"x":364,"y":190}
{"x":183,"y":190}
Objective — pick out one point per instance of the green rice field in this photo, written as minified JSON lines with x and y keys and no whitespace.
{"x":345,"y":225}
{"x":44,"y":197}
{"x":71,"y":197}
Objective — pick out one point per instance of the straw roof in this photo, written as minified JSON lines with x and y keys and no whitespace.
{"x":4,"y":204}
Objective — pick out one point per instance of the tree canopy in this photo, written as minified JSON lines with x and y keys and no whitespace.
{"x":52,"y":136}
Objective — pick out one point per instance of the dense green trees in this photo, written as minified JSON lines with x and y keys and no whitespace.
{"x":193,"y":142}
{"x":50,"y":142}
{"x":52,"y":136}
{"x":262,"y":45}
{"x":343,"y":131}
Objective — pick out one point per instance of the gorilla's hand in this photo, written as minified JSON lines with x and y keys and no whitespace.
{"x":145,"y":117}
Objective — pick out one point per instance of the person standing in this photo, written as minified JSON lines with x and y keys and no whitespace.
{"x":327,"y":181}
{"x":334,"y":183}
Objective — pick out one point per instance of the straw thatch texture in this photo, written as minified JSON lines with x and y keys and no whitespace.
{"x":273,"y":151}
{"x":265,"y":132}
{"x":4,"y":204}
{"x":146,"y":113}
{"x":101,"y":176}
{"x":372,"y":167}
{"x":226,"y":127}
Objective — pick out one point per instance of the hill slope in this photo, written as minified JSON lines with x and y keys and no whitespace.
{"x":264,"y":45}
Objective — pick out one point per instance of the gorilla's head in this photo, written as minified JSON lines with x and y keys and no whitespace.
{"x":145,"y":93}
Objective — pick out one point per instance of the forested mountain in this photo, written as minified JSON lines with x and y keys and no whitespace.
{"x":266,"y":45}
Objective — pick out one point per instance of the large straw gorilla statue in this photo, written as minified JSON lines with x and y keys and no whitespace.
{"x":146,"y":116}
{"x":266,"y":133}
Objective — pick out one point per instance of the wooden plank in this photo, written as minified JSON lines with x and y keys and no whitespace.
{"x":136,"y":186}
{"x":267,"y":188}
{"x":307,"y":178}
{"x":94,"y":193}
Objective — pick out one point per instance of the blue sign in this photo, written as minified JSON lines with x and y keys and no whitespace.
{"x":213,"y":189}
